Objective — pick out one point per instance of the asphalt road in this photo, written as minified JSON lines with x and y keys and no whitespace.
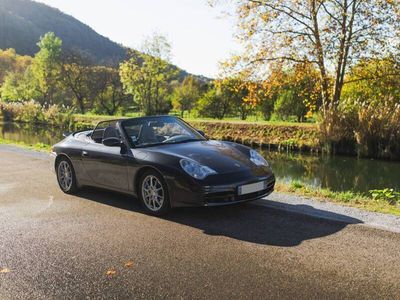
{"x":55,"y":246}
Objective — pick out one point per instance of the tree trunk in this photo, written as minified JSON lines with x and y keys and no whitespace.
{"x":320,"y":58}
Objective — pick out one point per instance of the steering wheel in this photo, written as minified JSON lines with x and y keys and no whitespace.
{"x":174,"y":137}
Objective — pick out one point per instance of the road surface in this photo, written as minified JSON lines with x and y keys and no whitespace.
{"x":100,"y":244}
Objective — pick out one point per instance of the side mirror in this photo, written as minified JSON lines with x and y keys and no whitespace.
{"x":201,"y":132}
{"x":112,"y":142}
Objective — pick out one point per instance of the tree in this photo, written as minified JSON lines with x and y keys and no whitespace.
{"x":214,"y":104}
{"x":11,"y":62}
{"x":372,"y":80}
{"x":147,"y":76}
{"x":46,"y":67}
{"x":291,"y":91}
{"x":288,"y":105}
{"x":186,"y":94}
{"x":77,"y":78}
{"x":19,"y":86}
{"x":331,"y":34}
{"x":110,"y":97}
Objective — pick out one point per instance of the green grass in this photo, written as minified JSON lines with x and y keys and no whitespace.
{"x":347,"y":198}
{"x":37,"y":147}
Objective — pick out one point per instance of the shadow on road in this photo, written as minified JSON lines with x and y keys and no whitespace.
{"x":246,"y":222}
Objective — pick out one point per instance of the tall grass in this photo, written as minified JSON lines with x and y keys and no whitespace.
{"x":370,"y":129}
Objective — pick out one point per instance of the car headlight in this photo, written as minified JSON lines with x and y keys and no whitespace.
{"x":256,"y":158}
{"x":195,"y":169}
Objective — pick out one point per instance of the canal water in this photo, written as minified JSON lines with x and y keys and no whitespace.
{"x":338,"y":173}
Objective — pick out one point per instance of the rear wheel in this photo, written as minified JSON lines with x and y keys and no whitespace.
{"x":154,"y":194}
{"x":66,"y":176}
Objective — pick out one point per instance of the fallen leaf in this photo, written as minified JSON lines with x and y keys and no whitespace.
{"x":5,"y":270}
{"x":111,"y":272}
{"x":129,"y":264}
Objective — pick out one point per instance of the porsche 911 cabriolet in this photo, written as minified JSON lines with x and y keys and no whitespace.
{"x":162,"y":161}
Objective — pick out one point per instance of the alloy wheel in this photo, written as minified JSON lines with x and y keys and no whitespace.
{"x":152,"y":193}
{"x":65,"y":175}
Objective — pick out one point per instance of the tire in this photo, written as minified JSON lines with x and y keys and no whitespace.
{"x":153,"y":193}
{"x":66,"y":177}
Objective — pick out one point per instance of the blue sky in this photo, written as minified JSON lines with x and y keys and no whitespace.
{"x":200,"y":35}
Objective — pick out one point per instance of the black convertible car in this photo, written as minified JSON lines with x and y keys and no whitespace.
{"x":164,"y":162}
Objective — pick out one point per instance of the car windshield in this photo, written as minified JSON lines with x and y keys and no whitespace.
{"x":150,"y":131}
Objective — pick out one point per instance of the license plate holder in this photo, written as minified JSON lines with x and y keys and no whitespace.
{"x":251,"y":188}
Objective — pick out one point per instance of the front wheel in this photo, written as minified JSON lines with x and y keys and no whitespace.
{"x":66,"y":176}
{"x":154,"y":194}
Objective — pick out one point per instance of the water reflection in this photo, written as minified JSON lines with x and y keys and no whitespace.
{"x":30,"y":134}
{"x":339,"y":173}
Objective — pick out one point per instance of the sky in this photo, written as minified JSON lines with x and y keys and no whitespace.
{"x":200,"y":35}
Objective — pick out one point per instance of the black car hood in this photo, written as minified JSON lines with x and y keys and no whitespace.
{"x":223,"y":157}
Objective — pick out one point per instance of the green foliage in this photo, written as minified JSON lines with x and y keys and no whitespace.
{"x":46,"y":67}
{"x":372,"y":80}
{"x":19,"y":87}
{"x":389,"y":195}
{"x":289,"y":104}
{"x":186,"y":95}
{"x":147,"y":76}
{"x":11,"y":62}
{"x":213,"y":104}
{"x":110,"y":98}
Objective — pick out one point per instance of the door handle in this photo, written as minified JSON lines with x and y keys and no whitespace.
{"x":85,"y":153}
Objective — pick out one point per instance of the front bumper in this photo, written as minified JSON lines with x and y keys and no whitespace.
{"x":191,"y":193}
{"x":225,"y":195}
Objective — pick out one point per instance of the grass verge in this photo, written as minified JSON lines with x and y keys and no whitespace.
{"x":36,"y":147}
{"x":343,"y":198}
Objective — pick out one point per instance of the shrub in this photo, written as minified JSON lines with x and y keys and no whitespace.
{"x":33,"y":112}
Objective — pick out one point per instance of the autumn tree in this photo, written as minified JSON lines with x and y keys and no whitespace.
{"x":147,"y":76}
{"x":331,"y":34}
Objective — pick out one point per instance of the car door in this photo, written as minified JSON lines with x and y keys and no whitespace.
{"x":105,"y":165}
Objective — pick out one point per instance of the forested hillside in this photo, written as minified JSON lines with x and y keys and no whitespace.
{"x":22,"y":22}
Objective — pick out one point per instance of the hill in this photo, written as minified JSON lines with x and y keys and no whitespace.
{"x":23,"y":22}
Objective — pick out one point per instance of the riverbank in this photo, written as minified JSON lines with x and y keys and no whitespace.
{"x":36,"y":146}
{"x":348,"y":198}
{"x":274,"y":135}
